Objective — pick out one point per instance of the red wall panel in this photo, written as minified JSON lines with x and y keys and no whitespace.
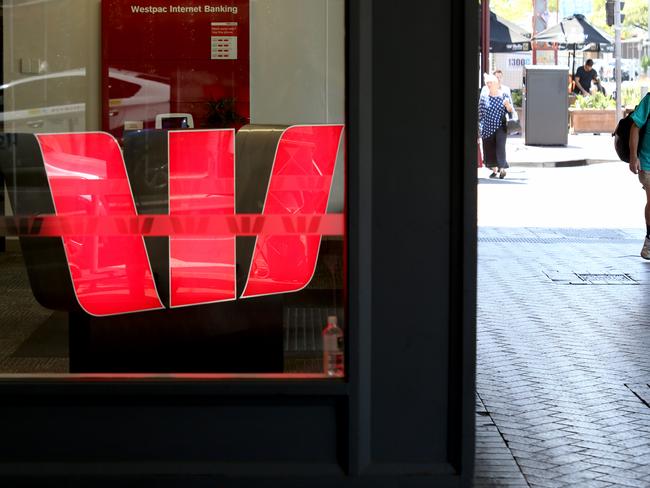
{"x":160,"y":56}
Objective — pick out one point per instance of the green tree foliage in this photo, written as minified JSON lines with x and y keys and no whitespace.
{"x":521,"y":12}
{"x":598,"y":17}
{"x":518,"y":11}
{"x":636,"y":14}
{"x":636,"y":17}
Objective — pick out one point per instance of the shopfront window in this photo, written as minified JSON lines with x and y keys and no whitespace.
{"x":174,"y":184}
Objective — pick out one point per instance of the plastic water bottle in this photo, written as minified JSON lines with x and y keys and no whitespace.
{"x":332,"y":348}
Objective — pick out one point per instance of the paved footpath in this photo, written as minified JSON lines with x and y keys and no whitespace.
{"x":580,"y":149}
{"x":563,"y":358}
{"x":563,"y":325}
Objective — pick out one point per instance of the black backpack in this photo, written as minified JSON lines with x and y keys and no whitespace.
{"x":622,"y":136}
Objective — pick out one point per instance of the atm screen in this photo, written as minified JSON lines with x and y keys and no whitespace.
{"x":175,"y":123}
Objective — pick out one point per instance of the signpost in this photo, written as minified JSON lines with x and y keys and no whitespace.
{"x":485,"y":37}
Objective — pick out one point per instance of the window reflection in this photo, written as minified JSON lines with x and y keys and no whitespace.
{"x":197,"y":179}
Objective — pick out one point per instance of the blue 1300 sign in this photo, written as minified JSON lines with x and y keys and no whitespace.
{"x":518,"y":62}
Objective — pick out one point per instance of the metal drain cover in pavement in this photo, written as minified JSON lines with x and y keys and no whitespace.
{"x":606,"y":279}
{"x":573,"y":278}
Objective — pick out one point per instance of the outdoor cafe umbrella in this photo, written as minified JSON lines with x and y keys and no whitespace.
{"x":507,"y":37}
{"x":575,"y":32}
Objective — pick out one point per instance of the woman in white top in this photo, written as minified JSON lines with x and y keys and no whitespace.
{"x":492,"y":108}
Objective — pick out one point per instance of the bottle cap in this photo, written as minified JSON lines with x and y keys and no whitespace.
{"x":331,"y":319}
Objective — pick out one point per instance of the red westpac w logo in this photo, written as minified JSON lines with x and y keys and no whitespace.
{"x":109,"y":265}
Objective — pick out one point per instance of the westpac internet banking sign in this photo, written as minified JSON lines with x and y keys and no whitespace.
{"x":103,"y":235}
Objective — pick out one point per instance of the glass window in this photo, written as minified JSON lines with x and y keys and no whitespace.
{"x":174,"y":185}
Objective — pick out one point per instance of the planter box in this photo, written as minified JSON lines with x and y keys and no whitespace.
{"x":591,"y":121}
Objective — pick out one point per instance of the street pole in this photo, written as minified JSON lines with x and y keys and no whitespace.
{"x":485,"y":37}
{"x":534,"y":44}
{"x":617,"y":54}
{"x":557,"y":21}
{"x":540,"y":21}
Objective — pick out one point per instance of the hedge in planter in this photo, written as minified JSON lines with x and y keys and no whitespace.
{"x":594,"y":113}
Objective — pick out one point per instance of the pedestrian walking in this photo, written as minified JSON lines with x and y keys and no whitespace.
{"x":640,"y":161}
{"x":493,"y":108}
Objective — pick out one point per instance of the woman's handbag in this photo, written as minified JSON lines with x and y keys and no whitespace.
{"x":511,"y":119}
{"x":512,"y":123}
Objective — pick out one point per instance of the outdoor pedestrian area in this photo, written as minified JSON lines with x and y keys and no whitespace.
{"x":563,"y":351}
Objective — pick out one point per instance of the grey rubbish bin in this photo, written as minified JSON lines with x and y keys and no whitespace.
{"x":546,"y":105}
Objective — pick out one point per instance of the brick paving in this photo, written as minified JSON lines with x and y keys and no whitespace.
{"x":563,"y":365}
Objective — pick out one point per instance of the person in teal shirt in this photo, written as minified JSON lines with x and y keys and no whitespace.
{"x":640,"y":161}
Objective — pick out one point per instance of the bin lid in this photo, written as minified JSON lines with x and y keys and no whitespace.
{"x":546,"y":67}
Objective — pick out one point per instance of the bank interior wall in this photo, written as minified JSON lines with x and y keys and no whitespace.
{"x":297,"y":57}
